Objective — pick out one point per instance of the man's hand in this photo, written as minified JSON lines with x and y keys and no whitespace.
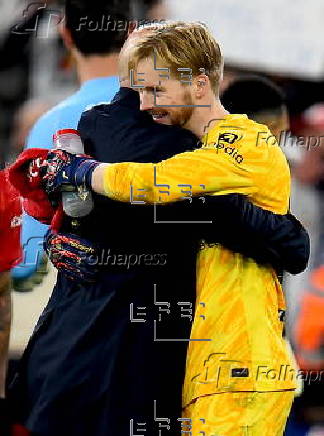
{"x":72,"y":255}
{"x":66,"y":171}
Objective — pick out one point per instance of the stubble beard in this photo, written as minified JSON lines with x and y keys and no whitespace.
{"x":182,"y":116}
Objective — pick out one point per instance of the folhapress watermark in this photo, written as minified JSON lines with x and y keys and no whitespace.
{"x":106,"y":24}
{"x":287,"y":139}
{"x":225,"y":373}
{"x":288,"y":373}
{"x":108,"y":258}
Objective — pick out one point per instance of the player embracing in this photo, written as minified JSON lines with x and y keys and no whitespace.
{"x":239,"y":376}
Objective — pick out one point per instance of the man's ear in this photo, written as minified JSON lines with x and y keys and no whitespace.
{"x":66,"y":36}
{"x":201,"y":83}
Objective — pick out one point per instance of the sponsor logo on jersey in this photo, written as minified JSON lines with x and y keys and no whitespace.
{"x":34,"y":168}
{"x":224,"y":142}
{"x":231,"y":151}
{"x":16,"y":221}
{"x":230,"y":138}
{"x":240,"y":372}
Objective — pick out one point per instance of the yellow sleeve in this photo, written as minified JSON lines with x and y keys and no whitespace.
{"x":209,"y":170}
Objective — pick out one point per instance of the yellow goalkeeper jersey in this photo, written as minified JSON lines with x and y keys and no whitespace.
{"x":236,"y":338}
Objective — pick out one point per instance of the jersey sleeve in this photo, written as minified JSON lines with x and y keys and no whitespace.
{"x":245,"y":228}
{"x":33,"y":232}
{"x":40,"y":135}
{"x":219,"y":167}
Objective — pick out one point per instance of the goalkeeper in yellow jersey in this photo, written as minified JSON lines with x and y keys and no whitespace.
{"x":239,"y":376}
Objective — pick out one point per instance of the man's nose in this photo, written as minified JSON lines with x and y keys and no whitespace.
{"x":147,"y":101}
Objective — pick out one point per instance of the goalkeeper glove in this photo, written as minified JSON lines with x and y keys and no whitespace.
{"x":73,"y":256}
{"x":66,"y":171}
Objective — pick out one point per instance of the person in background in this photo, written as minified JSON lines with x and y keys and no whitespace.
{"x":308,"y":329}
{"x":95,"y":55}
{"x":24,"y":119}
{"x":155,"y":10}
{"x":310,"y":171}
{"x":10,"y":255}
{"x":261,"y":100}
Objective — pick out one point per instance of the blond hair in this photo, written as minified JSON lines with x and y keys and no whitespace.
{"x":181,"y":45}
{"x":126,"y":52}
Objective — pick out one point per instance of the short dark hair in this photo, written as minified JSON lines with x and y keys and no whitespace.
{"x":253,"y":94}
{"x":98,"y":27}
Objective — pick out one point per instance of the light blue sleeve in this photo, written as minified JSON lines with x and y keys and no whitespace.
{"x":41,"y":135}
{"x":32,"y":231}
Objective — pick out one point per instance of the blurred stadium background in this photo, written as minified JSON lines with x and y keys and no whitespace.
{"x":281,"y":40}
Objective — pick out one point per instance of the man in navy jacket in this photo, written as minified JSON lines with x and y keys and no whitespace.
{"x":108,"y":356}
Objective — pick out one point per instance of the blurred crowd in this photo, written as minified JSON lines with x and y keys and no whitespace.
{"x":36,"y":72}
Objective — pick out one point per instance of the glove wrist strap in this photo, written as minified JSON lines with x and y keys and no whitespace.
{"x":83,"y":175}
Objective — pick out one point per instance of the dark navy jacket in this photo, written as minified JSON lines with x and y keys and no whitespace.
{"x":88,"y":370}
